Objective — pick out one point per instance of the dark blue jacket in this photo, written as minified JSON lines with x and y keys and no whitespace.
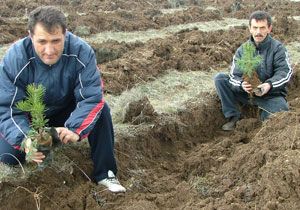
{"x":274,"y":69}
{"x":75,"y":77}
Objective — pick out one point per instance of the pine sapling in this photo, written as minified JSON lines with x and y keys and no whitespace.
{"x":37,"y":137}
{"x":247,"y":65}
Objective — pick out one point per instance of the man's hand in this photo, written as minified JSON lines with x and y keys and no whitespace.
{"x":246,"y":87}
{"x":66,"y":135}
{"x":35,"y":156}
{"x":264,"y":89}
{"x":38,"y":157}
{"x":32,"y":155}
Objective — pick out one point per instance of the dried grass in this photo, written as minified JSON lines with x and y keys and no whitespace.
{"x":167,"y":94}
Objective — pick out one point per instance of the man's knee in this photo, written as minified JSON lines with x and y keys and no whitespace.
{"x":274,"y":105}
{"x":278,"y":104}
{"x":220,"y":78}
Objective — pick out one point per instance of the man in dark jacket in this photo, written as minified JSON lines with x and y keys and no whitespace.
{"x":66,"y":66}
{"x":274,"y":73}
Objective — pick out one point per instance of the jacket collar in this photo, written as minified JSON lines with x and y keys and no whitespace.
{"x":264,"y":44}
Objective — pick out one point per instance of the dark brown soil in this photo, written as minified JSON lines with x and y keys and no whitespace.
{"x":171,"y":161}
{"x":254,"y":81}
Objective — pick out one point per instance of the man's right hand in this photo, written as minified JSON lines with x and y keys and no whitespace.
{"x":246,"y":87}
{"x":37,"y":157}
{"x":32,"y":154}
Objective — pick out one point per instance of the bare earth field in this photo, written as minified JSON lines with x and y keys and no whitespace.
{"x":157,"y":59}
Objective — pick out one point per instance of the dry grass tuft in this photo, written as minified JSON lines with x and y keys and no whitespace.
{"x":167,"y":94}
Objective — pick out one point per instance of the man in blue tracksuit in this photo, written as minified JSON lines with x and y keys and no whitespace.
{"x":66,"y":66}
{"x":274,"y":72}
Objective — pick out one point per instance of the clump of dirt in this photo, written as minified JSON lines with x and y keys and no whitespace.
{"x":139,"y":111}
{"x":112,"y":50}
{"x":286,"y":28}
{"x":254,"y":81}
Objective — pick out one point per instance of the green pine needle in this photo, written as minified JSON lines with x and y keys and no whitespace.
{"x":35,"y":106}
{"x":249,"y":61}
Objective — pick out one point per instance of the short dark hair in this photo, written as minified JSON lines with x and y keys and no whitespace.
{"x":260,"y":15}
{"x":49,"y":16}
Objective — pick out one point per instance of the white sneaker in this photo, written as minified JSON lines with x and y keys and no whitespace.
{"x":112,"y":183}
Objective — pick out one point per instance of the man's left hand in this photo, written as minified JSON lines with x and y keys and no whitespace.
{"x":264,"y":89}
{"x":66,"y":135}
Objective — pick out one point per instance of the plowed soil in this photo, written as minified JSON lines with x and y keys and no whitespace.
{"x":176,"y":160}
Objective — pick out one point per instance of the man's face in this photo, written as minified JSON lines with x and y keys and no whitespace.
{"x":48,"y":46}
{"x":259,"y":30}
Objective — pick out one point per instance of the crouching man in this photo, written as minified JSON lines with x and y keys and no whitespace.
{"x":274,"y":72}
{"x":66,"y":66}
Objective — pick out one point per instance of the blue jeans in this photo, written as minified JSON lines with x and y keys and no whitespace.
{"x":101,"y":140}
{"x":230,"y":99}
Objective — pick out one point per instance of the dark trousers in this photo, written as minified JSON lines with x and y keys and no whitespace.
{"x":8,"y":154}
{"x":101,"y":140}
{"x":230,"y":99}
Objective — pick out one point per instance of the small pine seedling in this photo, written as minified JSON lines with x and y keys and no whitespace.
{"x":34,"y":104}
{"x":249,"y":61}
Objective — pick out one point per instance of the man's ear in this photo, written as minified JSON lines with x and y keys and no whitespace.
{"x":270,"y":29}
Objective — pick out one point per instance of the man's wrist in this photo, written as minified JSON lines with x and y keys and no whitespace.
{"x":270,"y":83}
{"x":78,"y":137}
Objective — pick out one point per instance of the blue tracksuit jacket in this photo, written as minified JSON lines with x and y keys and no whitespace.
{"x":75,"y":77}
